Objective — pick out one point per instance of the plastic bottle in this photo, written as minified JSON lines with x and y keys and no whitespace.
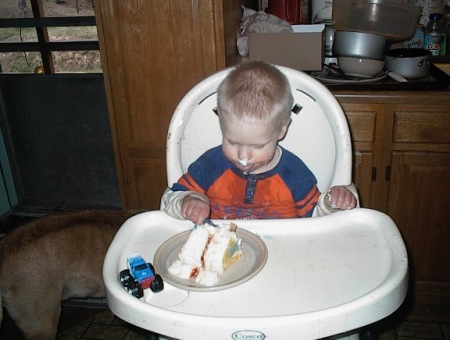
{"x":435,"y":35}
{"x":417,"y":39}
{"x":447,"y":26}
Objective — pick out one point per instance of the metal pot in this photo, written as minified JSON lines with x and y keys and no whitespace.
{"x":411,"y":63}
{"x":359,"y":45}
{"x":393,"y":19}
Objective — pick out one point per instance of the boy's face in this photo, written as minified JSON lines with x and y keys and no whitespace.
{"x":251,"y":148}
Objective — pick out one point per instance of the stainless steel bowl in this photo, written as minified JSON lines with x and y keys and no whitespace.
{"x":395,"y":20}
{"x":360,"y":67}
{"x":358,"y":45}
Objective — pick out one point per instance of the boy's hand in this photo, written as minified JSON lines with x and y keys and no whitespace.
{"x":195,"y":210}
{"x":341,"y":198}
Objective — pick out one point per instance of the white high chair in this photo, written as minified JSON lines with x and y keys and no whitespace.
{"x":325,"y":276}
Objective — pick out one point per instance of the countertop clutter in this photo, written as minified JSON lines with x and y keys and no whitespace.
{"x":436,"y":80}
{"x":369,"y":45}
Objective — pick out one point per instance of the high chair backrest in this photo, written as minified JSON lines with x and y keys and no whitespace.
{"x":318,"y":133}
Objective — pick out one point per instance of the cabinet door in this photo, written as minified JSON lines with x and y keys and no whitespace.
{"x":153,"y":52}
{"x":363,"y":120}
{"x":363,"y":172}
{"x":418,"y":202}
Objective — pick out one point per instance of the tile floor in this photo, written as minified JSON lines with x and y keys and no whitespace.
{"x":87,"y":320}
{"x":83,"y":323}
{"x":103,"y":325}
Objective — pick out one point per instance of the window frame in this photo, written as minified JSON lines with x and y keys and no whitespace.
{"x":43,"y":45}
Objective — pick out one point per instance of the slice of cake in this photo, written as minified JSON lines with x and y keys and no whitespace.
{"x":207,"y":253}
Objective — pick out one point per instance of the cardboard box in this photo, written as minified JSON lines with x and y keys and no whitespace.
{"x":302,"y":50}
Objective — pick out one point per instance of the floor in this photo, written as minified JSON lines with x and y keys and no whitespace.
{"x":82,"y":323}
{"x":91,"y":319}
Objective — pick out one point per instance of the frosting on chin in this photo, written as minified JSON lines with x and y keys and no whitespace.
{"x":243,"y":162}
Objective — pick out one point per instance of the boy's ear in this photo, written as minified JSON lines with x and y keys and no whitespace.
{"x":283,"y":131}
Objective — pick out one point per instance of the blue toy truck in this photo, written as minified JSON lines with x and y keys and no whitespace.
{"x":140,"y":275}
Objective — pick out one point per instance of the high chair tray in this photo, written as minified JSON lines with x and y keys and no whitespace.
{"x":323,"y":276}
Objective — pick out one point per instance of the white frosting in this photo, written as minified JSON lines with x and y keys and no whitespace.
{"x":191,"y":253}
{"x":207,"y":278}
{"x":243,"y":162}
{"x":181,"y":270}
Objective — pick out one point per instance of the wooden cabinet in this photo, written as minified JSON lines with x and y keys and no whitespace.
{"x":153,"y":52}
{"x":402,"y":167}
{"x":366,"y":137}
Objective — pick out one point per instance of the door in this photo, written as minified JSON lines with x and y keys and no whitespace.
{"x":418,"y":203}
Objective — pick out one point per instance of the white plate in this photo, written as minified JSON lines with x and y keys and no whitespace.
{"x":251,"y":262}
{"x":327,"y":79}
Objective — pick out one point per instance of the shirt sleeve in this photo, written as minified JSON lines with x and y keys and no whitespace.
{"x":192,"y":183}
{"x":322,"y":208}
{"x":301,"y":182}
{"x":203,"y":172}
{"x":305,"y":206}
{"x":173,"y":200}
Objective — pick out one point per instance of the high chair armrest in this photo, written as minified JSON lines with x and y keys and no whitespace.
{"x":354,"y":190}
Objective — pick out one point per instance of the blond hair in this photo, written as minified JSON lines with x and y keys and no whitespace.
{"x":256,"y":92}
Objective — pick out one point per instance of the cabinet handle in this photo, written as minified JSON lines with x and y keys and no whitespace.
{"x":374,"y":174}
{"x":388,"y":173}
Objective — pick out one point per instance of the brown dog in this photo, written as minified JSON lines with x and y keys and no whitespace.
{"x":50,"y":259}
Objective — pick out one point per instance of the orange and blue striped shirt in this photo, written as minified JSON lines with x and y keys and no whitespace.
{"x":289,"y":190}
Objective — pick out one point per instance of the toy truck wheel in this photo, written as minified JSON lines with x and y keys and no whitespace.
{"x":136,"y":290}
{"x":125,"y":277}
{"x":157,"y":285}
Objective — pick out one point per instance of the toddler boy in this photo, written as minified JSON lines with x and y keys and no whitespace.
{"x":250,"y":176}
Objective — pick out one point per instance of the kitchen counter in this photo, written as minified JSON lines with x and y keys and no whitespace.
{"x":444,"y":67}
{"x":437,"y":80}
{"x":361,"y":95}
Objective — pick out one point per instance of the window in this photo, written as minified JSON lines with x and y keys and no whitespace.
{"x":50,"y":36}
